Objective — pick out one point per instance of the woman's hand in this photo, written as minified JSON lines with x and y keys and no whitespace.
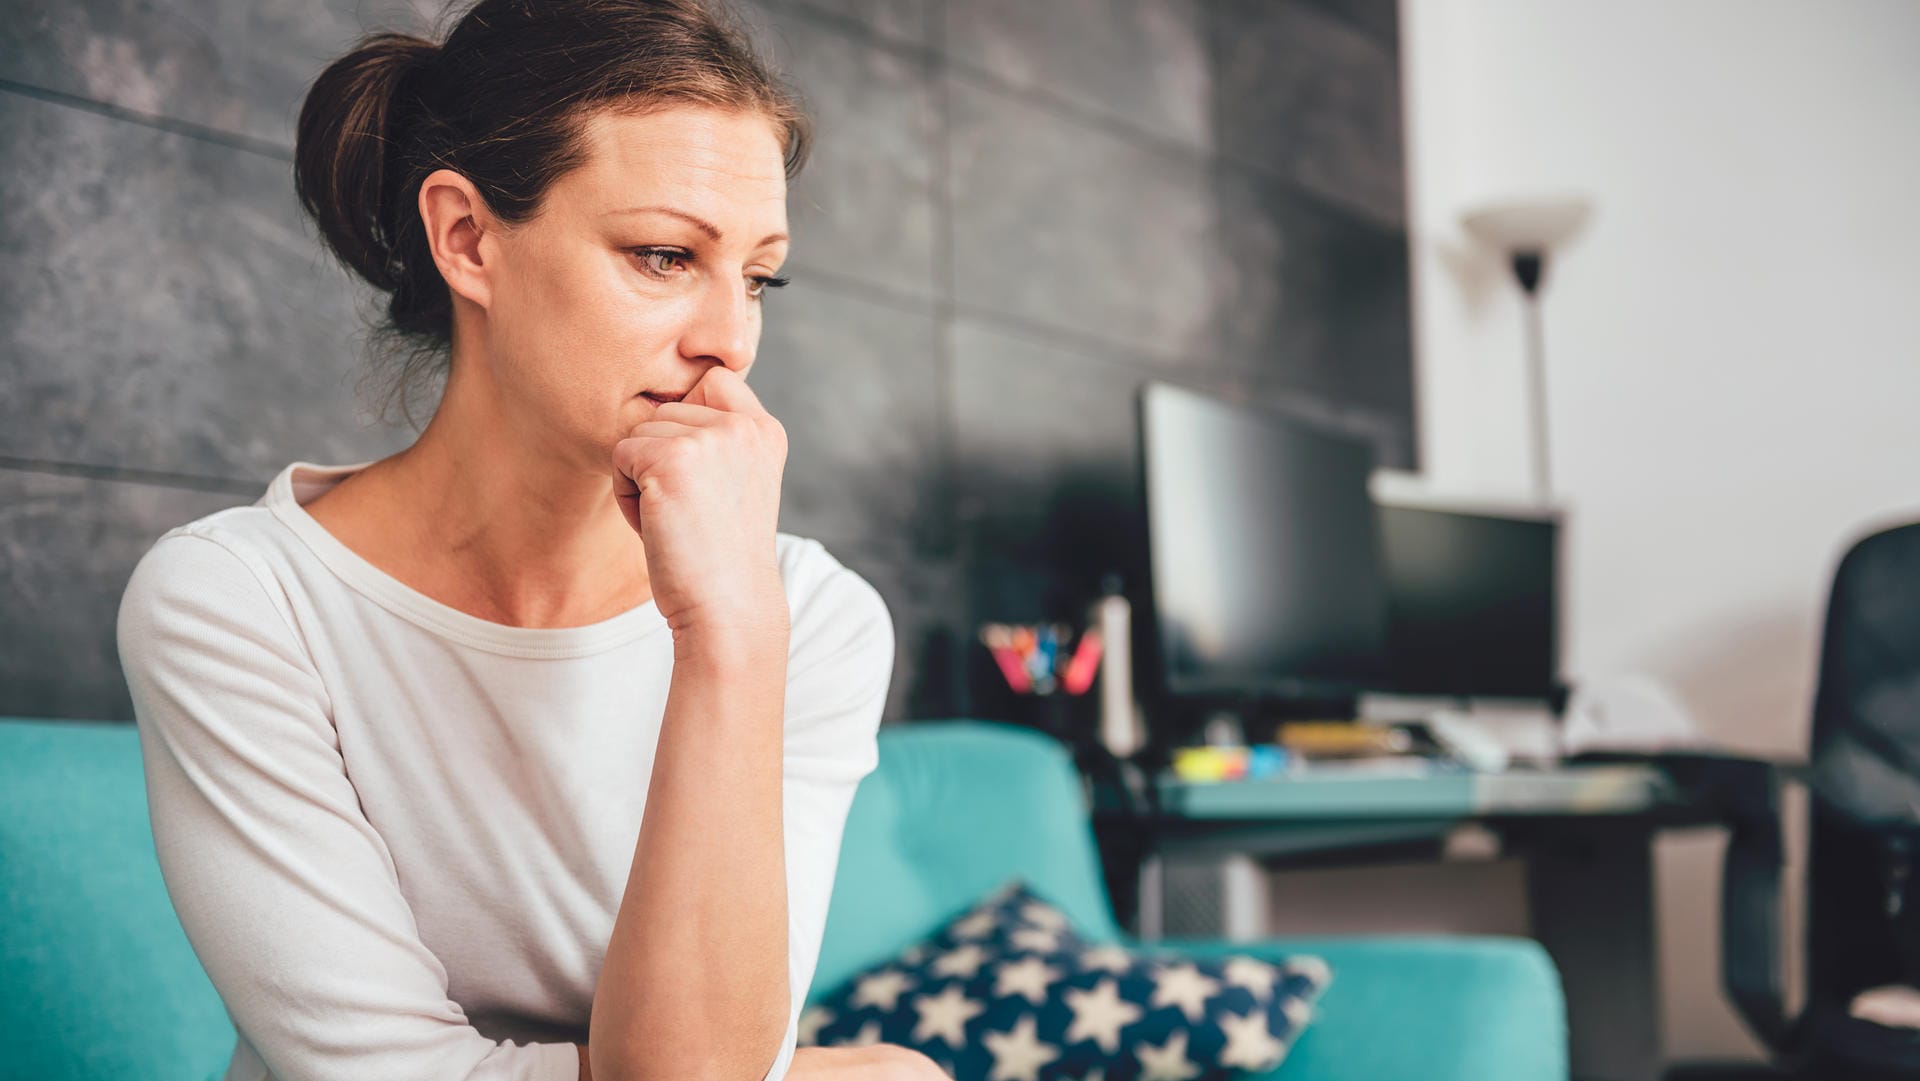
{"x":700,"y":482}
{"x":878,"y":1062}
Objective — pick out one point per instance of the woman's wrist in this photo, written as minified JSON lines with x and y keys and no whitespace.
{"x":742,"y":630}
{"x":740,"y":642}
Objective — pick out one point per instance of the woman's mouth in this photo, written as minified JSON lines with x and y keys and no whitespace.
{"x":659,"y":398}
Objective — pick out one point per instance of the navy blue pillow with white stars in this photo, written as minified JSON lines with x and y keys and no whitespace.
{"x":1008,"y":991}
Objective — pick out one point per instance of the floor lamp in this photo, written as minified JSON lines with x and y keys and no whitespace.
{"x":1526,"y":231}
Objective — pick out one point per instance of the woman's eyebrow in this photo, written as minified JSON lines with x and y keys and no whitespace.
{"x":705,"y":226}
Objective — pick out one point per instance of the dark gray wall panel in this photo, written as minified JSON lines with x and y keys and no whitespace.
{"x":863,"y":208}
{"x":67,"y":547}
{"x":900,"y":20}
{"x":1045,"y":457}
{"x":1381,"y":18}
{"x":1318,"y":299}
{"x":1077,"y":228}
{"x":1141,"y":63}
{"x":235,"y":67}
{"x":174,"y":315}
{"x":1314,"y":99}
{"x":854,"y":383}
{"x":927,"y":599}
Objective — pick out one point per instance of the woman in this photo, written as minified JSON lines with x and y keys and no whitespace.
{"x":401,"y":719}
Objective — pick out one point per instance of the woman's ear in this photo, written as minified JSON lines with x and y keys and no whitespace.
{"x":457,"y":221}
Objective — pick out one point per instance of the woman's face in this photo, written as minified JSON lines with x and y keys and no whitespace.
{"x":640,"y":273}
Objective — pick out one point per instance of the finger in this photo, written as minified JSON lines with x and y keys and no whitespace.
{"x":626,"y":494}
{"x":667,"y":427}
{"x":686,"y":413}
{"x":725,"y":389}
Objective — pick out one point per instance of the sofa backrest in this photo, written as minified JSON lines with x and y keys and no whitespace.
{"x":954,"y":809}
{"x":97,"y":979}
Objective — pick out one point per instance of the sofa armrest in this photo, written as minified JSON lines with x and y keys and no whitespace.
{"x":1453,"y":1008}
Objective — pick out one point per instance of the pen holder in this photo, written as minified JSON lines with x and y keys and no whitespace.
{"x":1041,"y":699}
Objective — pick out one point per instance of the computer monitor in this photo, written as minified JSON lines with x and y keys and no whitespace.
{"x":1263,"y":555}
{"x":1472,"y":602}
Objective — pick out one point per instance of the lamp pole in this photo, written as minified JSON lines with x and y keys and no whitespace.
{"x":1524,"y":231}
{"x":1528,"y":266}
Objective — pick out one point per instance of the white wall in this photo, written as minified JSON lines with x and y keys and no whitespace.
{"x":1733,"y":344}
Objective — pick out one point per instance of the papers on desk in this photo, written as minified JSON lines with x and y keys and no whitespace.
{"x":1328,"y":749}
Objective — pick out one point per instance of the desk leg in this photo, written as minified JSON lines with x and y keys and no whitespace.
{"x":1151,"y":911}
{"x":1591,"y":897}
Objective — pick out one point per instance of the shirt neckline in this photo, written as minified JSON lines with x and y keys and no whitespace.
{"x":301,"y":482}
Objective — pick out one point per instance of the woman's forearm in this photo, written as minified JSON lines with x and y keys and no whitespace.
{"x":695,"y":982}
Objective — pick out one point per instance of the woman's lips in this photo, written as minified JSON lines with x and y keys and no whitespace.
{"x":658,"y":398}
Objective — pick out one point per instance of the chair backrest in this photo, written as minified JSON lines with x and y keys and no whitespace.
{"x":1865,"y":765}
{"x":97,"y":979}
{"x":954,"y":809}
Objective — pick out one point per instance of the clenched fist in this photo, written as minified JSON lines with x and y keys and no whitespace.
{"x":700,"y":482}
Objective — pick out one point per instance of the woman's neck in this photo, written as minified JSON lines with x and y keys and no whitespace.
{"x":475,"y":517}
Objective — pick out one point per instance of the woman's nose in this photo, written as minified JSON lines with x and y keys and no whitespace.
{"x":725,"y":327}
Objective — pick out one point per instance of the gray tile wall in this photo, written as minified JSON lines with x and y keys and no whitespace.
{"x":1015,"y":213}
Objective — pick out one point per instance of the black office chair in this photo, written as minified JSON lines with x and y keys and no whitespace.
{"x":1863,"y":912}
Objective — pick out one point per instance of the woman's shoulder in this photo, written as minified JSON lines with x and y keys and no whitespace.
{"x":840,"y":664}
{"x":223,"y":554}
{"x":839,"y":623}
{"x":821,"y":586}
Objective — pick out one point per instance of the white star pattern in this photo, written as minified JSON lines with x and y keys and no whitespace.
{"x":882,"y":989}
{"x":1313,"y":968}
{"x":868,"y":1035}
{"x":1250,"y":1046}
{"x":978,"y":925}
{"x":964,"y":962}
{"x":1107,"y":959}
{"x":1099,"y":1015}
{"x":1005,"y":989}
{"x":1298,"y":1012}
{"x":811,"y":1022}
{"x":1043,"y":916}
{"x":1184,"y":986}
{"x":1028,"y":976}
{"x":946,"y":1015}
{"x":1018,"y":1055}
{"x":1254,"y":975}
{"x":1033,"y":938}
{"x":1167,"y":1062}
{"x":1002,"y":892}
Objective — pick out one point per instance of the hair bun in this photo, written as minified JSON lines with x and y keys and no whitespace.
{"x":346,"y":147}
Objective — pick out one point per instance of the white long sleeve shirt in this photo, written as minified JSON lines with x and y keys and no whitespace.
{"x":397,"y":834}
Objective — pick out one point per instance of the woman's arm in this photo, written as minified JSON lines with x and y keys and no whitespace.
{"x":694,"y":986}
{"x":286,"y":892}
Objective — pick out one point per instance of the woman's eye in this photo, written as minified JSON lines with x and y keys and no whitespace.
{"x":647,"y":255}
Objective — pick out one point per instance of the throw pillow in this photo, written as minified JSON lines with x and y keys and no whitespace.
{"x":1009,"y":991}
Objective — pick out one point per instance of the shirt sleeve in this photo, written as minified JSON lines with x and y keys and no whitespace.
{"x":837,"y":679}
{"x":289,"y":897}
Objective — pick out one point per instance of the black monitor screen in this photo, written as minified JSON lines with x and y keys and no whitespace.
{"x":1263,"y":545}
{"x":1472,"y":606}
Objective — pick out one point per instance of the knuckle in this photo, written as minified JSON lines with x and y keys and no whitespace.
{"x":906,"y":1064}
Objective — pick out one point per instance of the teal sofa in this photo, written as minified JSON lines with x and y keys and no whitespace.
{"x":97,"y":980}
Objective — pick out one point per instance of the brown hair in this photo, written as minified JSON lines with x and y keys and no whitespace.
{"x":503,"y":102}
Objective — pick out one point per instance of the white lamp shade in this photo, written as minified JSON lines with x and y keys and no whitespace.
{"x":1533,"y":225}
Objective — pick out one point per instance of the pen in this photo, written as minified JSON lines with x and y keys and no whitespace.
{"x":1085,"y":662}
